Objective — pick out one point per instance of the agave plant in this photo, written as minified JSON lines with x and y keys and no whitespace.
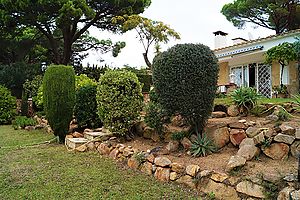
{"x":202,"y":146}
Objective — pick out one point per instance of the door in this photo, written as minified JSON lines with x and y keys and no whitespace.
{"x":264,"y":80}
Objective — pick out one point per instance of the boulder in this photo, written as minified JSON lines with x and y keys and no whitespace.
{"x":288,"y":130}
{"x":233,"y":111}
{"x":220,"y":190}
{"x":235,"y":161}
{"x":133,"y":163}
{"x":218,"y":114}
{"x":253,"y":131}
{"x":205,"y":173}
{"x":81,"y":148}
{"x":104,"y":149}
{"x":295,"y":149}
{"x":162,"y":162}
{"x":259,"y":138}
{"x":147,"y":168}
{"x":250,"y":189}
{"x":284,"y":194}
{"x":277,"y":151}
{"x":247,"y":141}
{"x":238,"y":125}
{"x":187,"y":180}
{"x":186,"y":143}
{"x":77,"y":135}
{"x":192,"y":170}
{"x":148,"y":132}
{"x":218,"y":134}
{"x":173,"y":176}
{"x":114,"y":153}
{"x":237,"y":136}
{"x":128,"y":152}
{"x":176,"y":167}
{"x":172,"y":146}
{"x":91,"y":146}
{"x":162,"y":174}
{"x":150,"y":158}
{"x":287,"y":139}
{"x":297,"y":134}
{"x":272,"y":118}
{"x":248,"y":151}
{"x":295,"y":195}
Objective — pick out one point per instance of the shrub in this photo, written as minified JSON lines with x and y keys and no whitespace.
{"x":31,"y":87}
{"x":7,"y":106}
{"x":185,"y":78}
{"x":59,"y":98}
{"x":85,"y":109}
{"x":83,"y":80}
{"x":22,"y":122}
{"x":120,"y":100}
{"x":202,"y":146}
{"x":155,"y":114}
{"x":38,"y":99}
{"x":245,"y":98}
{"x":179,"y":135}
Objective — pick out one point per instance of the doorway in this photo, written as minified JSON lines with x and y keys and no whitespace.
{"x":252,"y":75}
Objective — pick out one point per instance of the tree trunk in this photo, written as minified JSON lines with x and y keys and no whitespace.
{"x":148,"y":63}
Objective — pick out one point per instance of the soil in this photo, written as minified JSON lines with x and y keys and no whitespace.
{"x":219,"y":160}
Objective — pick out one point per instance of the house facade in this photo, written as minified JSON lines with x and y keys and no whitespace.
{"x":242,"y":64}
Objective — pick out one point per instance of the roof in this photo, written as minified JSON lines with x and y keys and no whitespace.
{"x":261,"y":39}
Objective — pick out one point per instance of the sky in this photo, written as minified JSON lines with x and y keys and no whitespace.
{"x":195,"y":20}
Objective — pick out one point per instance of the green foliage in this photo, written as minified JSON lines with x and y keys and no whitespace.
{"x":140,"y":157}
{"x":202,"y":146}
{"x":258,"y":110}
{"x":85,"y":109}
{"x":266,"y":143}
{"x":245,"y":98}
{"x":149,"y":32}
{"x":120,"y":100}
{"x":59,"y":98}
{"x":275,"y":15}
{"x":297,"y":47}
{"x":31,"y":87}
{"x":185,"y":78}
{"x":22,"y":122}
{"x":283,"y":115}
{"x":7,"y":106}
{"x":83,"y":80}
{"x":24,"y":106}
{"x":39,"y":99}
{"x":93,"y":72}
{"x":271,"y":190}
{"x":144,"y":77}
{"x":296,"y":100}
{"x":179,"y":135}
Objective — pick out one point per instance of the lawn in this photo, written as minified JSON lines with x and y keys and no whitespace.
{"x":228,"y":101}
{"x":51,"y":172}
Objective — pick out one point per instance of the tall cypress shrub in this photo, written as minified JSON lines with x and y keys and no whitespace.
{"x":59,"y":98}
{"x":185,"y":79}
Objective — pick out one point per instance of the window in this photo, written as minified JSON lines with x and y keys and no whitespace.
{"x":285,"y":76}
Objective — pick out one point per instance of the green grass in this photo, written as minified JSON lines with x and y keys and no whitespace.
{"x":51,"y":172}
{"x":228,"y":101}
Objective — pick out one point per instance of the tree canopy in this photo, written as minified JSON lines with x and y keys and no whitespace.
{"x":65,"y":22}
{"x":149,"y":32}
{"x":278,"y":15}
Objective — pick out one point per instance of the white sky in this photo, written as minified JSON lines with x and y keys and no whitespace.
{"x":195,"y":20}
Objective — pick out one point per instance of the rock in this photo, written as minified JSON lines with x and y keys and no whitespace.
{"x":172,"y":146}
{"x":155,"y":137}
{"x":186,"y":143}
{"x":288,"y":130}
{"x":218,"y":177}
{"x":247,"y":141}
{"x":81,"y":148}
{"x":272,"y":177}
{"x":150,"y":158}
{"x":147,"y":168}
{"x":277,"y":151}
{"x":69,"y":136}
{"x":291,"y":178}
{"x":248,"y":151}
{"x":162,"y":174}
{"x":104,"y":149}
{"x":29,"y":128}
{"x":233,"y":111}
{"x":253,"y":131}
{"x":295,"y":149}
{"x":177,"y":168}
{"x":128,"y":152}
{"x":235,"y":161}
{"x":259,"y":138}
{"x":237,"y":136}
{"x":251,"y":189}
{"x":187,"y":180}
{"x":88,"y":130}
{"x":219,"y":135}
{"x":77,"y":135}
{"x":39,"y":126}
{"x":218,"y":114}
{"x":114,"y":154}
{"x":162,"y":162}
{"x":272,"y":118}
{"x":178,"y":120}
{"x":173,"y":176}
{"x":242,"y":121}
{"x":221,"y":191}
{"x":205,"y":173}
{"x":91,"y":146}
{"x":139,"y":127}
{"x":237,"y":125}
{"x":287,"y":139}
{"x":133,"y":163}
{"x":295,"y":195}
{"x":192,"y":170}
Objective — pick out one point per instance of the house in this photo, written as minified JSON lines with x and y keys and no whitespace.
{"x":242,"y":64}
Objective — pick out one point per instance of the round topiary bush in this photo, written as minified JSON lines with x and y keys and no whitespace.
{"x":7,"y":106}
{"x":120,"y":100}
{"x":59,"y":98}
{"x":185,"y":78}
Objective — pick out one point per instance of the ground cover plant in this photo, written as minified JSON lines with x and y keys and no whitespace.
{"x":7,"y":105}
{"x":76,"y":176}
